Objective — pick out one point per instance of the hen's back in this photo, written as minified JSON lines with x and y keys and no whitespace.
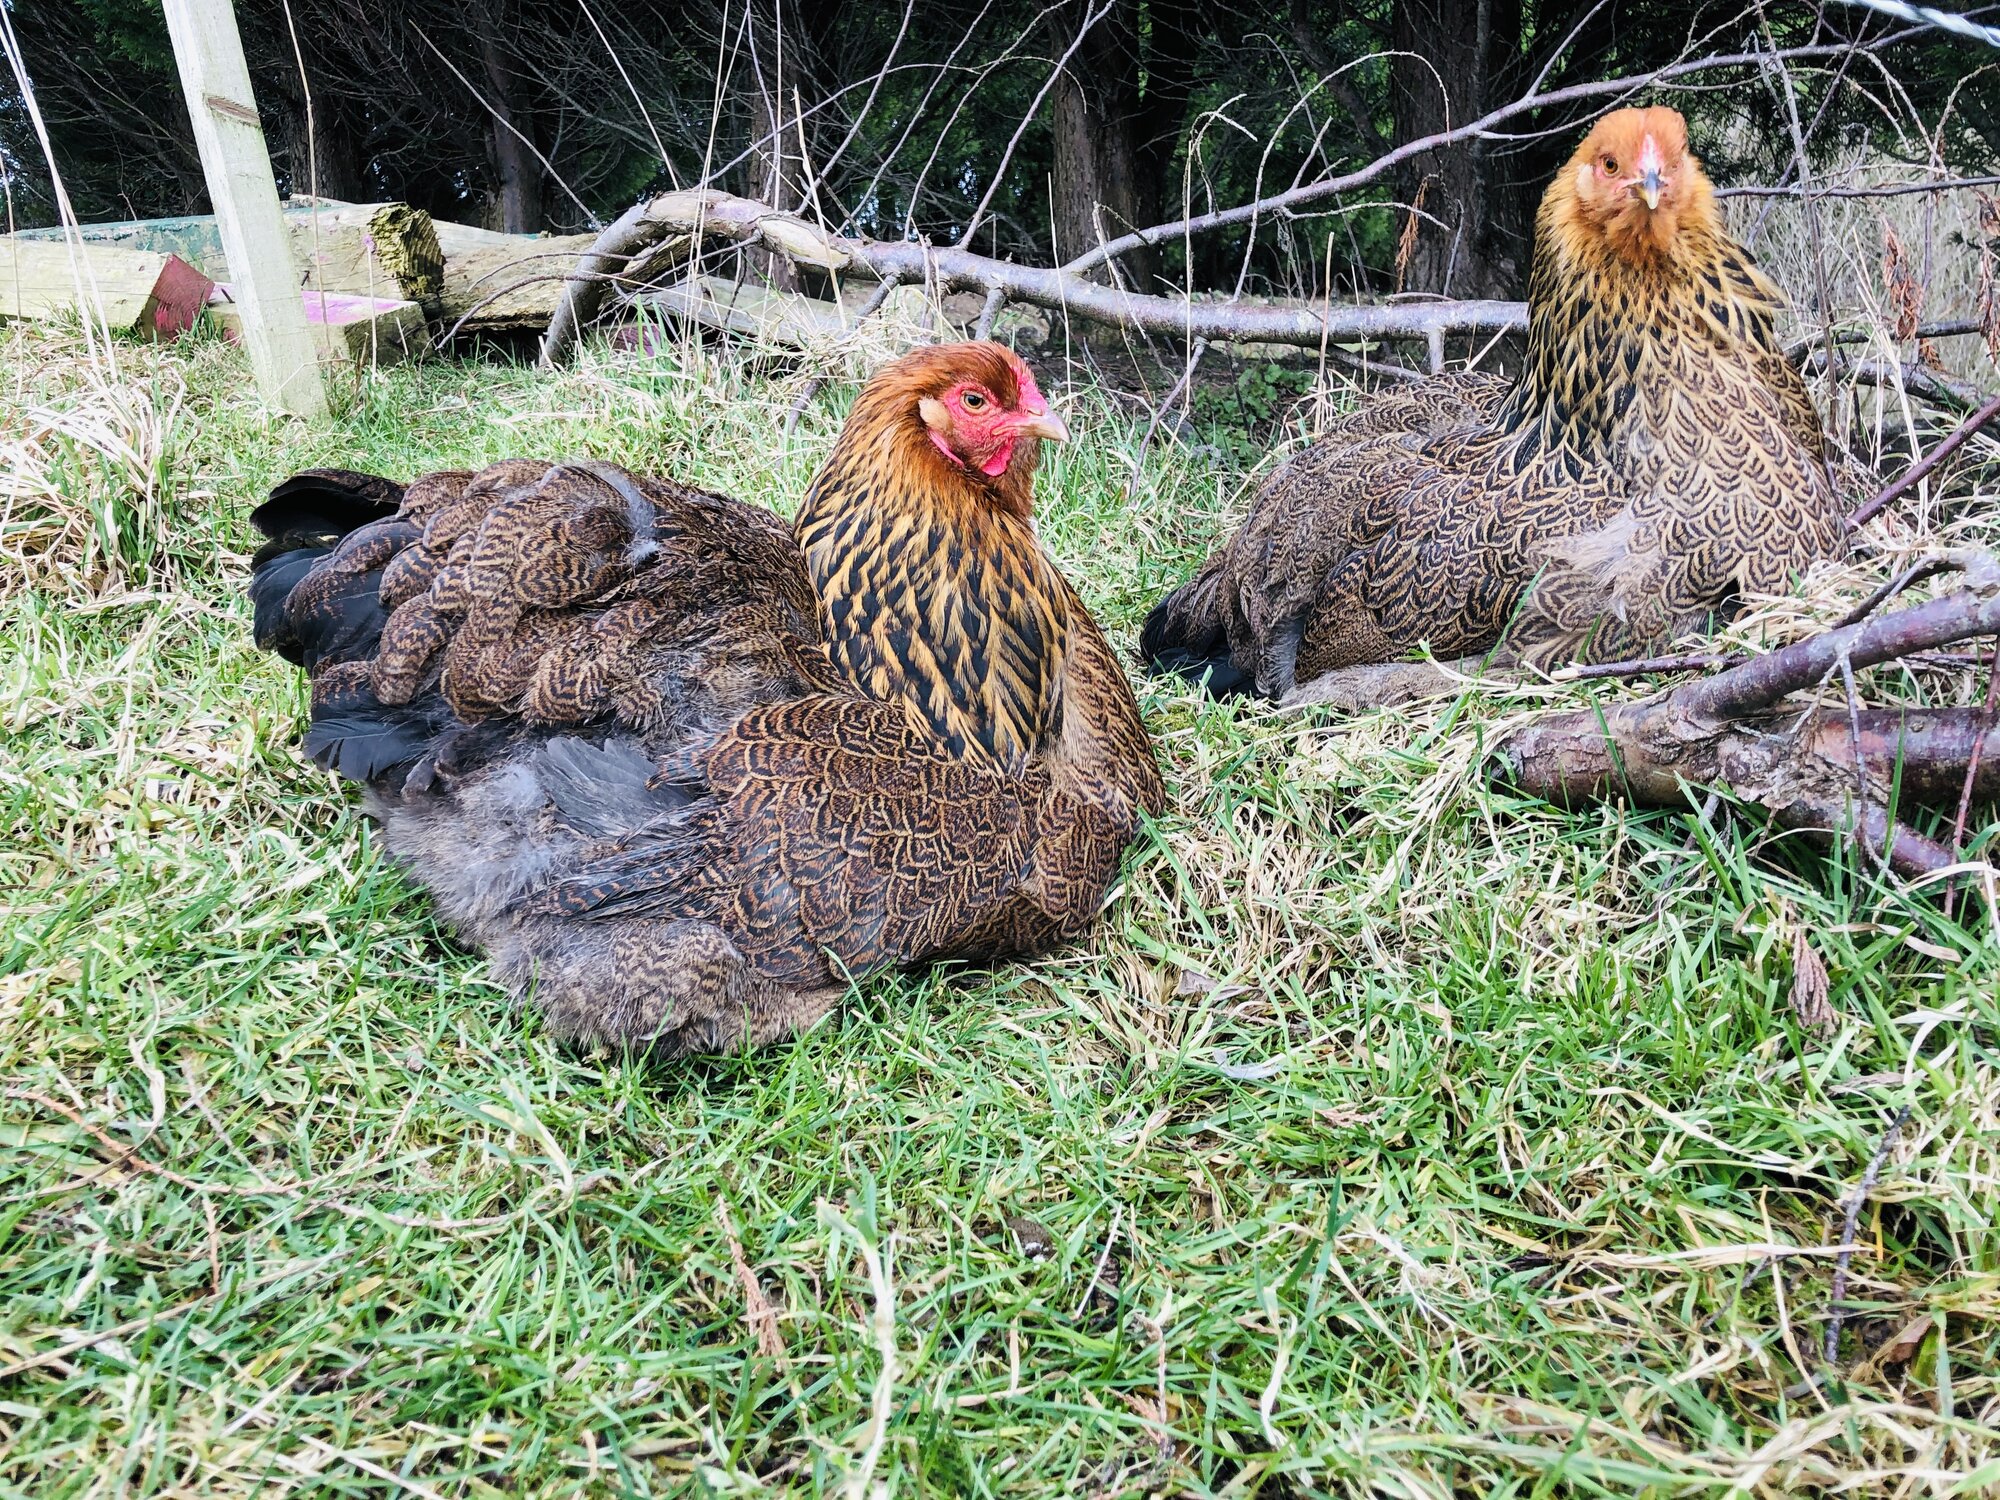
{"x":1240,"y":620}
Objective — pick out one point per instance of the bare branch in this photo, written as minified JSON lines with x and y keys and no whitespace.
{"x":1759,"y":684}
{"x":1313,"y":192}
{"x":1885,"y":190}
{"x":1950,"y":445}
{"x":744,"y":221}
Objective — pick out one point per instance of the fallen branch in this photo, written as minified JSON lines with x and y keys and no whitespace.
{"x":1303,"y":324}
{"x":1831,"y":773}
{"x":743,"y":221}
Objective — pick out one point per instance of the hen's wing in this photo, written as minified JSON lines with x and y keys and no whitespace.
{"x":541,"y":595}
{"x":837,"y":838}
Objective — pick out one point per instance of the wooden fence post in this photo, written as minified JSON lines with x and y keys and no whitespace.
{"x":237,"y":165}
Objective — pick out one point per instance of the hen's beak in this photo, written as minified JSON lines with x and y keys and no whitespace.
{"x":1650,"y":179}
{"x":1045,"y":425}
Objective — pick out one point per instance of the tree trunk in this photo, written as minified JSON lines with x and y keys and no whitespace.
{"x":1114,"y":138}
{"x":510,"y":131}
{"x":320,"y":155}
{"x":1439,"y":78}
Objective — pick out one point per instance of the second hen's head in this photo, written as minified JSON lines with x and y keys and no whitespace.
{"x":1634,"y":184}
{"x":965,"y":416}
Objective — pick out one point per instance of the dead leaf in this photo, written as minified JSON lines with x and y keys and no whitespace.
{"x":1810,"y":985}
{"x":1899,"y":280}
{"x":757,"y":1309}
{"x":1989,"y":273}
{"x":1901,"y":1347}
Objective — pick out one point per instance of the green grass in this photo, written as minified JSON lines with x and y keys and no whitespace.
{"x":1443,"y":1144}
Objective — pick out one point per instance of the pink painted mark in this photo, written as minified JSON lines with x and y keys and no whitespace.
{"x":331,"y":309}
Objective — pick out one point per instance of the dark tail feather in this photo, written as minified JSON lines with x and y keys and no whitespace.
{"x":276,"y":571}
{"x":326,"y":503}
{"x":355,"y":735}
{"x":319,"y":616}
{"x":1186,"y":636}
{"x":305,"y":519}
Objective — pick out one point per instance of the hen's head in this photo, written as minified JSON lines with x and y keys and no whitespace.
{"x":1635,"y":184}
{"x":965,"y":412}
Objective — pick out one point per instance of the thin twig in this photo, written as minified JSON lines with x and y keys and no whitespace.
{"x":1645,"y":666}
{"x":818,"y":382}
{"x":1947,"y":328}
{"x":978,"y":217}
{"x":1918,"y":471}
{"x":1856,"y":1199}
{"x":1886,"y":190}
{"x":1103,"y":1260}
{"x":1917,"y":572}
{"x":1330,"y":187}
{"x":995,"y":300}
{"x":1159,"y":412}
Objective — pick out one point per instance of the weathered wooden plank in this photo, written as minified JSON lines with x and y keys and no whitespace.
{"x":127,"y":290}
{"x":348,"y":330}
{"x":237,"y":167}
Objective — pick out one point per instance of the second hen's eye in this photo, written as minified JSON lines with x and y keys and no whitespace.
{"x":973,"y":401}
{"x":1611,"y":166}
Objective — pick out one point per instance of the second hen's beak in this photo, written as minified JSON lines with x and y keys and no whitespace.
{"x":1650,"y":180}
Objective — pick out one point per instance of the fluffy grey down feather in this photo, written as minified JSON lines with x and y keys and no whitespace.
{"x":491,"y":840}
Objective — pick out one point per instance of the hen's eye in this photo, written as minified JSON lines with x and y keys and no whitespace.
{"x":974,"y":401}
{"x":1611,"y":165}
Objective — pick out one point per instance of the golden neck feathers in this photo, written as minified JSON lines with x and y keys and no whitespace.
{"x":933,"y":588}
{"x":1629,"y":301}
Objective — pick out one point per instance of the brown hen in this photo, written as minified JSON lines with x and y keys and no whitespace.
{"x":1657,"y":457}
{"x":683,"y":774}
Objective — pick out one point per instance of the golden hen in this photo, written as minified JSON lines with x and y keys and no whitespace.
{"x":682,"y":774}
{"x":1657,"y":456}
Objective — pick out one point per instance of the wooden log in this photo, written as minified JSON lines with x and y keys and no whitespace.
{"x":127,"y":290}
{"x":359,"y":249}
{"x":348,"y":330}
{"x":495,"y":281}
{"x":370,"y":250}
{"x":457,"y":273}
